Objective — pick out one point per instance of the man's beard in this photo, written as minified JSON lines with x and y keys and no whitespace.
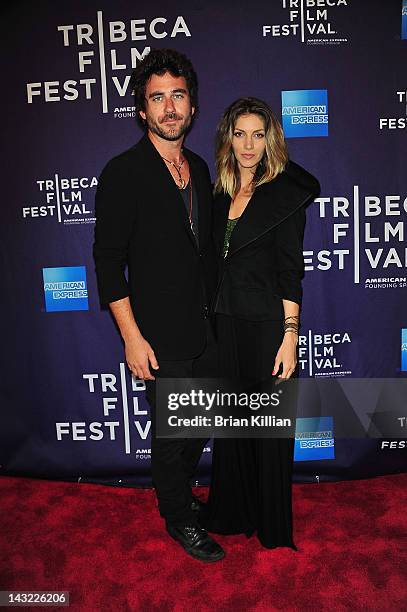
{"x":173,"y":133}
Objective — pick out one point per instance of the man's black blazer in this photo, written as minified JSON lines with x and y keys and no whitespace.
{"x":142,"y":222}
{"x":265,"y":261}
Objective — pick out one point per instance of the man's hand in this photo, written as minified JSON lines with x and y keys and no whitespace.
{"x":286,"y":355}
{"x":139,"y":356}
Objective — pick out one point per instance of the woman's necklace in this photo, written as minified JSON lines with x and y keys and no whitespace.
{"x":182,"y":183}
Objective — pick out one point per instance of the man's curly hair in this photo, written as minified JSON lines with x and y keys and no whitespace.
{"x":160,"y":61}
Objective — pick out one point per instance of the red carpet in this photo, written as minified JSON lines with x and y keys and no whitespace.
{"x":107,"y":547}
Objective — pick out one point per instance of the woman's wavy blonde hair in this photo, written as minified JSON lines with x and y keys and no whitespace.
{"x":275,"y":155}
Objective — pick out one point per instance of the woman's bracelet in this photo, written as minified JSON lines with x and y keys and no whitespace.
{"x":291,"y":324}
{"x":291,"y":329}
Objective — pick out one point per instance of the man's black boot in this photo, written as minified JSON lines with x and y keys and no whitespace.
{"x":196,"y":542}
{"x":197,"y":505}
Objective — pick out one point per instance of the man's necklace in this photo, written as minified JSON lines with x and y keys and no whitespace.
{"x":191,"y":222}
{"x":182,"y":183}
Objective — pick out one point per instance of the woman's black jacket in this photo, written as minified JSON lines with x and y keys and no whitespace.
{"x":264,"y":264}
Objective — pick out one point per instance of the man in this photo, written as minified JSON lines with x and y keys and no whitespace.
{"x":153,"y":213}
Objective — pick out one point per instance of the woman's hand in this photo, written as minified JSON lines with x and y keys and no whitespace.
{"x":286,"y":355}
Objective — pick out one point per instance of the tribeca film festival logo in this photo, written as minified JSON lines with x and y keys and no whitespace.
{"x":309,"y":21}
{"x":305,"y":113}
{"x":65,"y":289}
{"x":371,"y":231}
{"x":396,"y":123}
{"x":317,"y":354}
{"x":104,"y":59}
{"x":121,"y":413}
{"x":63,"y":199}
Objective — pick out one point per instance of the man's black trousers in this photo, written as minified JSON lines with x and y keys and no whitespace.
{"x":173,"y":461}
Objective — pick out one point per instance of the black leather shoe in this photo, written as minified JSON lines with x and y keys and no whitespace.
{"x":196,"y":504}
{"x":197,"y":542}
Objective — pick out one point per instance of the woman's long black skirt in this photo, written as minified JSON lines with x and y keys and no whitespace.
{"x":251,"y":478}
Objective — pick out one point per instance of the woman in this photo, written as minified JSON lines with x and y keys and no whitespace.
{"x":260,"y":200}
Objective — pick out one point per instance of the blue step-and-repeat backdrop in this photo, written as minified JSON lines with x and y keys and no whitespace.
{"x":335,"y":73}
